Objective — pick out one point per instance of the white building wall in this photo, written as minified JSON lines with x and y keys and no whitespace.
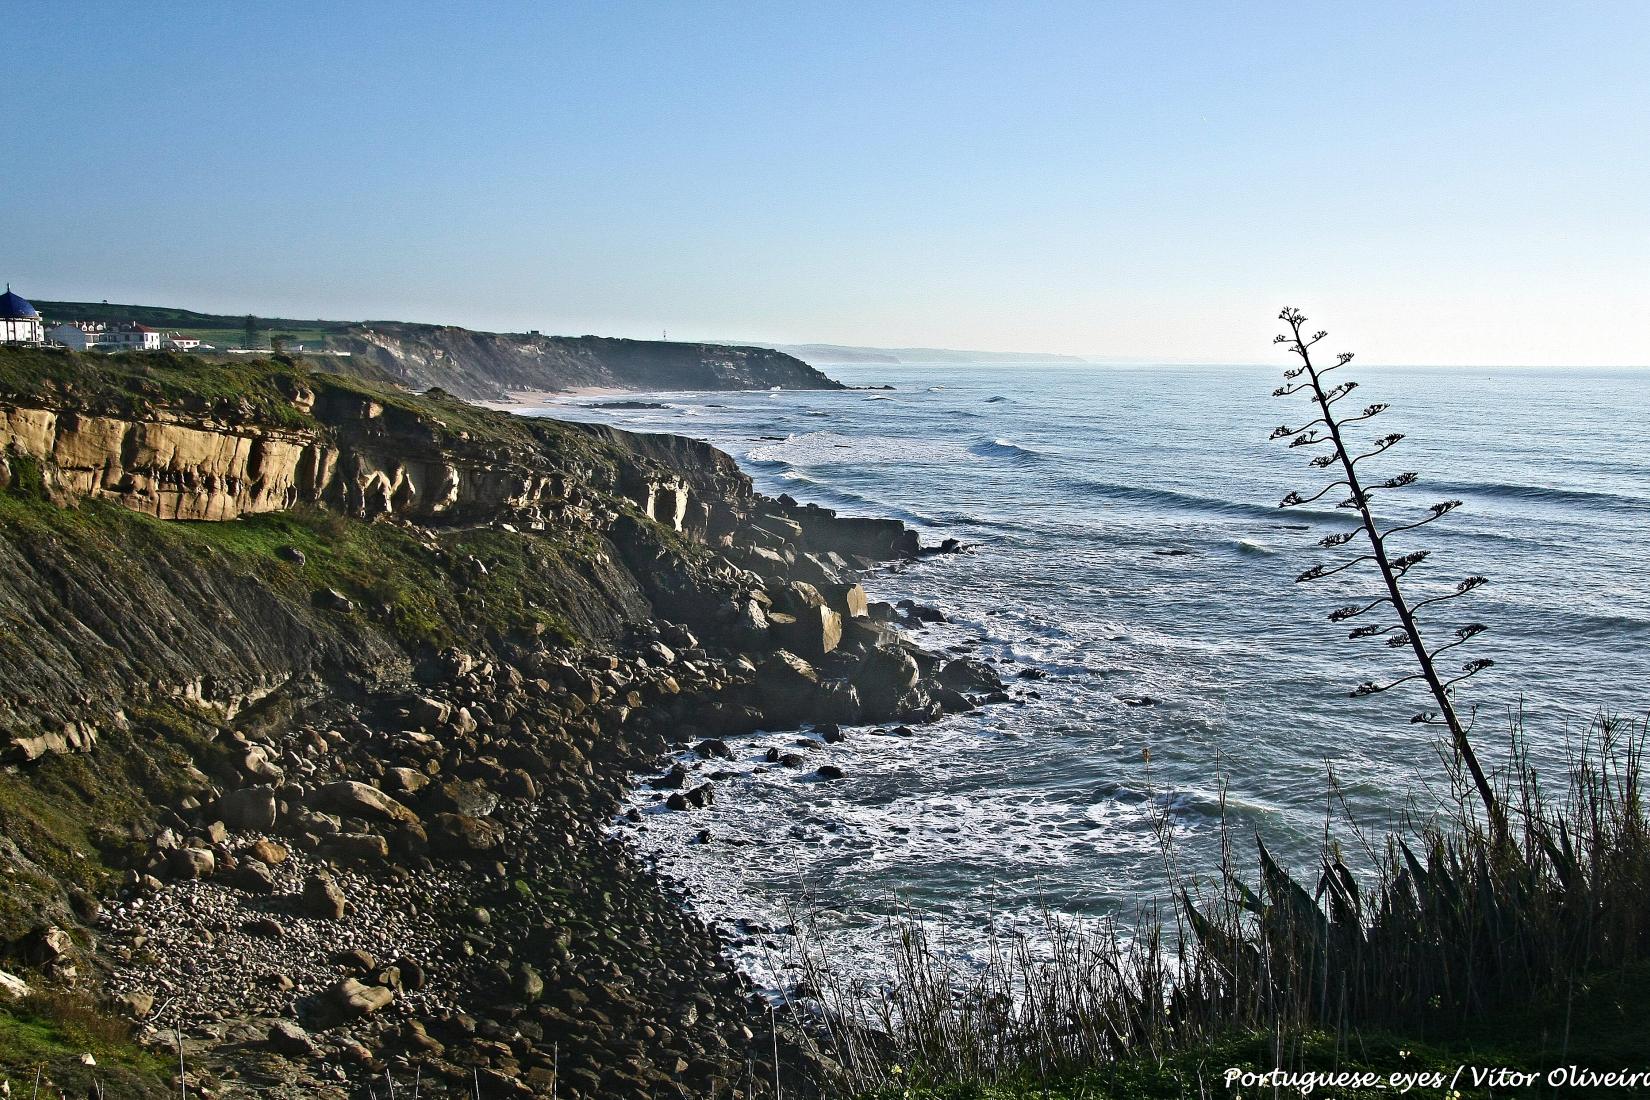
{"x":20,"y":330}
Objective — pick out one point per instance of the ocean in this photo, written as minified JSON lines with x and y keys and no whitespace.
{"x":1125,"y":541}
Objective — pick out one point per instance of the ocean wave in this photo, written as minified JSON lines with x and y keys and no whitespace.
{"x":1179,"y":500}
{"x":1005,"y":448}
{"x":1544,"y":494}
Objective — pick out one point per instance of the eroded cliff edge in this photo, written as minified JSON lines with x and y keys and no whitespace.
{"x":317,"y":699}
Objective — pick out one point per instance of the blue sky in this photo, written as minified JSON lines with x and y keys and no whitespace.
{"x":1464,"y":183}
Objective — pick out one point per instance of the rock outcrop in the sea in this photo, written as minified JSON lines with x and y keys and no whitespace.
{"x":316,"y":701}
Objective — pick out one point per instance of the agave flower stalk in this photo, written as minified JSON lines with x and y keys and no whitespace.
{"x":1328,"y":430}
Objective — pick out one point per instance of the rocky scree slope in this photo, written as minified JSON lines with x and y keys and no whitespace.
{"x":317,"y":700}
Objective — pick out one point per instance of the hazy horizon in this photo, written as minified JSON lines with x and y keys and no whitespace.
{"x":1129,"y":182}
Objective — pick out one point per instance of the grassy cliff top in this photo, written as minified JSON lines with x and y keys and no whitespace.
{"x":241,"y":389}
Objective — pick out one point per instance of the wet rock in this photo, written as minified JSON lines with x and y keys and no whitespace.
{"x":921,"y":613}
{"x":672,"y":780}
{"x":968,"y":674}
{"x":884,"y":678}
{"x":713,"y":747}
{"x":829,"y":771}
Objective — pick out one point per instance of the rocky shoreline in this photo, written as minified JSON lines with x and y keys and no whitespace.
{"x":396,"y":863}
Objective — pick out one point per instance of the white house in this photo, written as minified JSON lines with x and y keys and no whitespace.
{"x":19,"y":321}
{"x":102,"y":336}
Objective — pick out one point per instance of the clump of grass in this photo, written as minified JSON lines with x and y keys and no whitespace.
{"x":43,"y":1039}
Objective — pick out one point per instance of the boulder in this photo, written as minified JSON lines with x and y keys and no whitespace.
{"x":350,"y":799}
{"x":813,"y":633}
{"x":253,"y":877}
{"x":529,"y":985}
{"x":969,"y":674}
{"x":12,"y":988}
{"x":849,"y":599}
{"x":286,"y":1037}
{"x":266,"y":852}
{"x":136,"y":1003}
{"x":356,"y":847}
{"x":405,"y":780}
{"x":250,"y":808}
{"x":837,"y":701}
{"x":331,"y":599}
{"x":786,"y":678}
{"x":46,"y":947}
{"x":461,"y":834}
{"x":884,"y":678}
{"x":354,"y":997}
{"x":671,"y":780}
{"x":463,"y":796}
{"x":192,"y":863}
{"x":426,"y":713}
{"x":322,"y":898}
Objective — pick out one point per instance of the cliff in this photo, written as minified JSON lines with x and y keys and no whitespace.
{"x":317,"y":700}
{"x":482,"y":366}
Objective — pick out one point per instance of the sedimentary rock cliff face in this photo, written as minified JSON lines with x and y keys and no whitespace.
{"x":357,"y":456}
{"x":490,"y":365}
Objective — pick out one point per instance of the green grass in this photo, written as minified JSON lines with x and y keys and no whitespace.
{"x":48,"y":1034}
{"x":131,"y":383}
